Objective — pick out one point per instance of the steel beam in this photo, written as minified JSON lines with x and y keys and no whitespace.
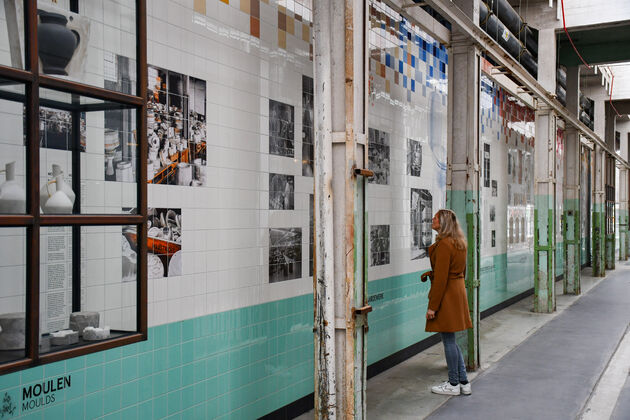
{"x":459,"y":19}
{"x":571,"y":221}
{"x":340,"y":281}
{"x":463,"y":174}
{"x":598,"y":260}
{"x":544,"y":211}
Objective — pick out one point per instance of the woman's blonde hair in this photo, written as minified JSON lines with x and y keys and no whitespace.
{"x":449,"y":227}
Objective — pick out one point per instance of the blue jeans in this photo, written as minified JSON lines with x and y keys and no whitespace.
{"x":454,"y":359}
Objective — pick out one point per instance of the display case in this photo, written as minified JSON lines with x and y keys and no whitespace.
{"x":73,"y":194}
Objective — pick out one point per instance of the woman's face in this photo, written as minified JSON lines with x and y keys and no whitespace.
{"x":436,"y":222}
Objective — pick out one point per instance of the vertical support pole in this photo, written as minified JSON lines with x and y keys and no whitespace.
{"x":544,"y":211}
{"x":626,"y":203}
{"x":76,"y":187}
{"x":623,"y":213}
{"x":610,"y":212}
{"x":572,"y":221}
{"x":324,"y":279}
{"x":340,"y":302}
{"x":462,"y":177}
{"x":598,"y":220}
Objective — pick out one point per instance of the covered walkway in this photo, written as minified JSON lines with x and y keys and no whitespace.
{"x":528,"y":370}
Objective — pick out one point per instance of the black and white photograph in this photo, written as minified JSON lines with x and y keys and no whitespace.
{"x":414,"y":158}
{"x":164,"y":244}
{"x":176,"y":128}
{"x":379,"y":245}
{"x":55,"y":129}
{"x":494,"y":187}
{"x":494,"y":238}
{"x":281,"y":192}
{"x":308,"y":130}
{"x":486,"y":165}
{"x":281,"y":127}
{"x":493,"y":213}
{"x":285,"y":254}
{"x":378,"y":156}
{"x":421,"y":220}
{"x":121,"y":145}
{"x":311,"y":249}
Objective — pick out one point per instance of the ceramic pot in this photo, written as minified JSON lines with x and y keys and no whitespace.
{"x":12,"y":195}
{"x":47,"y":190}
{"x":109,"y":169}
{"x":112,"y":141}
{"x":59,"y":202}
{"x":57,"y":43}
{"x":13,"y":326}
{"x":184,"y":173}
{"x":124,"y":172}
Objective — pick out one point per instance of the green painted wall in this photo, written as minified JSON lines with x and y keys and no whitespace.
{"x":239,"y":364}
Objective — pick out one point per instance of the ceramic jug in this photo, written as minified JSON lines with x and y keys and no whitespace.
{"x":59,"y":202}
{"x":184,"y":173}
{"x":47,"y":191}
{"x":57,"y":43}
{"x":12,"y":195}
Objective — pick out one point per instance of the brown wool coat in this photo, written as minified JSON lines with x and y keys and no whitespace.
{"x":447,"y":296}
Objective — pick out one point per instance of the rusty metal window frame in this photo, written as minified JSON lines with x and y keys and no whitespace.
{"x":32,"y":80}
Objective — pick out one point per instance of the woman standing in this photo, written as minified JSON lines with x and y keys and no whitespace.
{"x":448,"y":305}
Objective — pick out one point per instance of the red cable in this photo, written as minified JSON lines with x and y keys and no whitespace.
{"x":569,"y":36}
{"x":611,"y":88}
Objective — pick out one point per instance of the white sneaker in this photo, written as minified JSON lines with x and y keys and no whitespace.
{"x":446,"y":389}
{"x":466,"y":389}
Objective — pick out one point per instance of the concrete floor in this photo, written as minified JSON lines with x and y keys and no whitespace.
{"x":403,"y":392}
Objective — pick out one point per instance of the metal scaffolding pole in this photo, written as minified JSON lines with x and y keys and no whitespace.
{"x":544,"y":211}
{"x":340,"y":282}
{"x":571,"y":217}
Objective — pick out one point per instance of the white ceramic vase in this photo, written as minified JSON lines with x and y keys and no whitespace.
{"x":59,"y":202}
{"x":47,"y":190}
{"x":12,"y":195}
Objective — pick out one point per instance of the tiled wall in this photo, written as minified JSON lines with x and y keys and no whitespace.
{"x":507,"y":194}
{"x":238,"y":364}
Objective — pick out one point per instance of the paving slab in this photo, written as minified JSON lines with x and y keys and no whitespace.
{"x":622,"y":409}
{"x":553,"y":372}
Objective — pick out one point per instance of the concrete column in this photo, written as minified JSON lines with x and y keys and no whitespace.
{"x":571,"y":227}
{"x":573,"y":90}
{"x":547,"y":61}
{"x":340,"y":301}
{"x":610,"y":142}
{"x":463,"y":172}
{"x":544,"y":211}
{"x":623,"y":214}
{"x":598,"y":261}
{"x":599,"y":117}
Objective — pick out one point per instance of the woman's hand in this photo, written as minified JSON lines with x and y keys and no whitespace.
{"x":426,"y":275}
{"x":430,"y":314}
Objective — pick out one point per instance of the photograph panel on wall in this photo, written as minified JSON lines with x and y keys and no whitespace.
{"x":379,"y":245}
{"x":164,"y":245}
{"x":486,"y":165}
{"x":414,"y":158}
{"x":55,"y":129}
{"x":176,"y":128}
{"x":308,"y":128}
{"x":281,"y":129}
{"x":121,"y":143}
{"x":495,"y":187}
{"x":281,"y":192}
{"x":285,"y":254}
{"x":493,"y":213}
{"x":378,"y":156}
{"x":311,"y":250}
{"x":421,"y":220}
